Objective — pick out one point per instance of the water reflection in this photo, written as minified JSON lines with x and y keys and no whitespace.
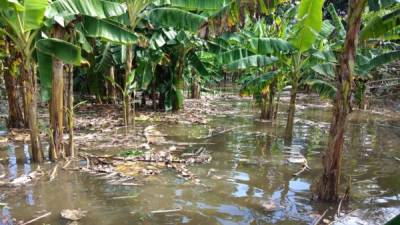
{"x":6,"y":218}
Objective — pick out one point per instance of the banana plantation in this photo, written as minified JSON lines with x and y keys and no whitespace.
{"x":199,"y":112}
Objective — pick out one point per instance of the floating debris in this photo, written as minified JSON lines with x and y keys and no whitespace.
{"x":73,"y":214}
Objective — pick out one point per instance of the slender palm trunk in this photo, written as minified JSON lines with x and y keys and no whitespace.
{"x":57,"y":107}
{"x":328,"y":186}
{"x":30,"y":98}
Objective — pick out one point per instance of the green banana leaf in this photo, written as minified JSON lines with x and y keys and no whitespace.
{"x":45,"y":73}
{"x":33,"y":14}
{"x":380,"y":25}
{"x":322,"y":87}
{"x":104,"y":61}
{"x":84,"y":43}
{"x":195,"y":5}
{"x":254,"y":84}
{"x":6,"y":4}
{"x":309,"y":24}
{"x":376,"y":5}
{"x":326,"y":55}
{"x":233,"y":55}
{"x":337,"y":21}
{"x":176,"y":18}
{"x":379,"y":61}
{"x":146,"y":72}
{"x":327,"y":69}
{"x":60,"y":49}
{"x":268,"y":46}
{"x":255,"y":61}
{"x":197,"y":64}
{"x":95,"y":8}
{"x":107,"y":30}
{"x":327,"y":29}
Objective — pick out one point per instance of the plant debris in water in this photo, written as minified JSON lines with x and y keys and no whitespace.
{"x":131,"y":153}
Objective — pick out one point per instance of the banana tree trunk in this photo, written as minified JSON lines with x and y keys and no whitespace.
{"x":15,"y":117}
{"x":271,"y":100}
{"x":30,"y":98}
{"x":22,"y":91}
{"x":70,"y":152}
{"x":112,"y":90}
{"x":278,"y":99}
{"x":196,"y":88}
{"x":177,"y":103}
{"x":127,"y":97}
{"x":292,"y":109}
{"x":56,"y":150}
{"x":264,"y":106}
{"x":328,"y":186}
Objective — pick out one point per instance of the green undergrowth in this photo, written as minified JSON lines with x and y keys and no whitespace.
{"x":131,"y":153}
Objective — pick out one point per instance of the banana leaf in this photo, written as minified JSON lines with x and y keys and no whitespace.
{"x":176,"y":18}
{"x":255,"y":61}
{"x":379,"y":61}
{"x":268,"y":46}
{"x":309,"y":24}
{"x":95,"y":8}
{"x":60,"y":49}
{"x":107,"y":30}
{"x":380,"y":25}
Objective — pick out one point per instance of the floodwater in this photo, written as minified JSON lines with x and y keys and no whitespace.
{"x":249,"y":181}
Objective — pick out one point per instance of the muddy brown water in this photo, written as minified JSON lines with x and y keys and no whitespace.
{"x":250,"y":169}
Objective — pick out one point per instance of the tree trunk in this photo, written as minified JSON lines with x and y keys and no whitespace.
{"x":15,"y":116}
{"x":30,"y":98}
{"x":22,"y":91}
{"x":70,"y":152}
{"x":153,"y":94}
{"x":264,"y":106}
{"x":277,"y":106}
{"x":271,"y":100}
{"x":56,"y":150}
{"x":127,"y":97}
{"x":112,"y":90}
{"x":292,"y":109}
{"x":177,"y":103}
{"x":328,"y":186}
{"x":196,"y":88}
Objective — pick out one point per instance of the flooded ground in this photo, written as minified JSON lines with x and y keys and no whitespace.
{"x":249,"y":181}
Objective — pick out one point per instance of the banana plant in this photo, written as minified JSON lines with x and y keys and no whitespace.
{"x":255,"y":48}
{"x":323,"y":80}
{"x":177,"y":14}
{"x":21,"y":23}
{"x":9,"y":64}
{"x":65,"y":22}
{"x":126,"y":89}
{"x":309,"y":24}
{"x":328,"y":185}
